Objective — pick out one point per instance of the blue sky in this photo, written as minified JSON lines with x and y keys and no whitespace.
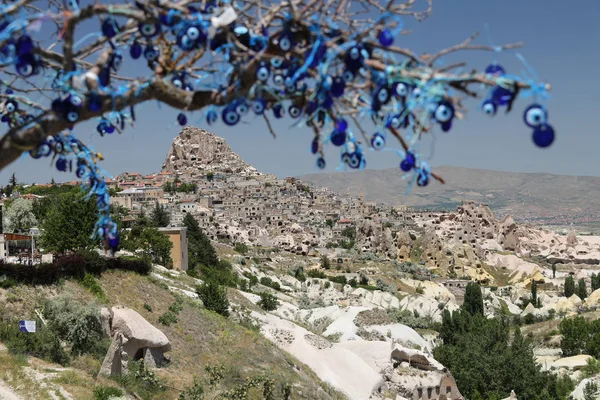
{"x":561,"y":43}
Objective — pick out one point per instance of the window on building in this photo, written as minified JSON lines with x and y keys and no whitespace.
{"x":448,"y":389}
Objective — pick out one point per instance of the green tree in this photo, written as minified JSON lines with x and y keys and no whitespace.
{"x":329,"y":223}
{"x":575,"y":334}
{"x":553,"y":271}
{"x":68,"y":223}
{"x":595,"y":281}
{"x":534,"y":298}
{"x":18,"y":217}
{"x":241,"y":248}
{"x":13,"y":181}
{"x":268,"y":302}
{"x":569,"y":286}
{"x":200,"y":249}
{"x":214,"y":297}
{"x":325,"y":264}
{"x":156,"y":244}
{"x":581,"y":289}
{"x":160,"y":217}
{"x":473,"y":302}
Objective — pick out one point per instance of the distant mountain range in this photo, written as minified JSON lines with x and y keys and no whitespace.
{"x":535,"y":197}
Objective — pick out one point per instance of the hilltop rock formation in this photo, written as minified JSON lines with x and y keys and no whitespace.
{"x":199,"y":150}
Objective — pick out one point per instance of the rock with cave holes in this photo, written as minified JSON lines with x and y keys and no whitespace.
{"x":133,"y":339}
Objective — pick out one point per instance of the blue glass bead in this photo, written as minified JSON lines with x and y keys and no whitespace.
{"x":338,"y":86}
{"x":444,"y":112}
{"x":135,"y":51}
{"x":24,"y":45}
{"x":311,"y":107}
{"x":262,"y":72}
{"x":278,"y":111}
{"x":230,"y":116}
{"x":113,"y":241}
{"x":294,"y":111}
{"x":181,"y":119}
{"x":10,"y":106}
{"x":242,"y":34}
{"x":495,"y":69}
{"x":61,"y":164}
{"x":385,"y":37}
{"x":314,"y":146}
{"x":258,"y":106}
{"x":341,"y":125}
{"x":535,"y":115}
{"x":149,"y":30}
{"x":377,"y":141}
{"x":35,"y":154}
{"x":502,"y":96}
{"x":151,"y":52}
{"x":355,"y":160}
{"x":408,"y":163}
{"x":211,"y":117}
{"x":321,"y":163}
{"x":109,"y":27}
{"x":543,"y":135}
{"x":489,"y":107}
{"x":338,"y":138}
{"x":422,"y":180}
{"x":79,"y":172}
{"x":400,"y":89}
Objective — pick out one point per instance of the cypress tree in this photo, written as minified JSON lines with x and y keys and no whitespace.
{"x":569,"y":286}
{"x":473,"y":303}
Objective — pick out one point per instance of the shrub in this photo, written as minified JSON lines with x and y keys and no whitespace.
{"x":352,"y":282}
{"x":147,"y":307}
{"x":7,"y":283}
{"x":168,"y":318}
{"x":327,"y":285}
{"x":265,"y":280}
{"x":268,"y":302}
{"x":106,"y":392}
{"x":143,"y":382}
{"x":194,"y":392}
{"x":214,"y":297}
{"x":315,"y":273}
{"x":338,"y":279}
{"x":252,"y":279}
{"x":529,"y":319}
{"x":90,"y":283}
{"x":43,"y":344}
{"x":76,"y":323}
{"x":241,"y":248}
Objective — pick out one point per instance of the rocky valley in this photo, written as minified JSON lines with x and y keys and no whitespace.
{"x":337,"y":297}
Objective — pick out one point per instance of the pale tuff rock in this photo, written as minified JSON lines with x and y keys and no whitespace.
{"x":199,"y":150}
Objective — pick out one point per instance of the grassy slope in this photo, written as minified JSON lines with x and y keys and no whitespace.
{"x":199,"y":338}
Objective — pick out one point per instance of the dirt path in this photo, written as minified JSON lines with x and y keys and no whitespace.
{"x":6,"y":393}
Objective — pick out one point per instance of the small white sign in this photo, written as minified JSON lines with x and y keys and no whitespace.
{"x":27,"y":326}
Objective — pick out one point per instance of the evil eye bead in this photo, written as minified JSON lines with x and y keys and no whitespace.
{"x":341,"y":125}
{"x":109,"y":27}
{"x":44,"y":149}
{"x":321,"y":163}
{"x":72,"y":116}
{"x":258,"y":106}
{"x":149,"y":30}
{"x":58,"y":147}
{"x":75,"y":101}
{"x":285,"y":43}
{"x":502,"y":96}
{"x":242,"y":108}
{"x":278,"y":79}
{"x":348,"y":75}
{"x":543,"y":135}
{"x":345,"y":158}
{"x":294,"y":111}
{"x":35,"y":153}
{"x":151,"y":52}
{"x":176,"y":81}
{"x":80,"y":172}
{"x":444,"y":112}
{"x":193,"y":33}
{"x":135,"y":51}
{"x":354,"y":53}
{"x":24,"y":68}
{"x":355,"y":160}
{"x":72,"y":5}
{"x":276,"y":62}
{"x":116,"y":61}
{"x":489,"y":107}
{"x":535,"y":115}
{"x":385,"y":37}
{"x":211,"y":117}
{"x":423,"y":180}
{"x":262,"y":72}
{"x":408,"y":163}
{"x":377,"y":141}
{"x":181,"y":119}
{"x":400,"y":89}
{"x":230,"y":116}
{"x":383,"y":95}
{"x":11,"y":106}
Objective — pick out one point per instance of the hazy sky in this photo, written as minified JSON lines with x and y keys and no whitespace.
{"x":562,"y":43}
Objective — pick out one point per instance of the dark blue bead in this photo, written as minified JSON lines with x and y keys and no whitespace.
{"x":422,"y":180}
{"x":385,"y":37}
{"x":314,"y":146}
{"x":338,"y":86}
{"x":502,"y":96}
{"x":109,"y":27}
{"x":258,"y":106}
{"x":211,"y":117}
{"x":278,"y":111}
{"x":377,"y":141}
{"x":408,"y":163}
{"x":494,"y":69}
{"x":341,"y":125}
{"x":230,"y":116}
{"x":113,"y":241}
{"x":543,"y":135}
{"x":181,"y":119}
{"x":61,"y":164}
{"x":79,"y":172}
{"x":321,"y":163}
{"x":338,"y":138}
{"x":24,"y":45}
{"x":135,"y":51}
